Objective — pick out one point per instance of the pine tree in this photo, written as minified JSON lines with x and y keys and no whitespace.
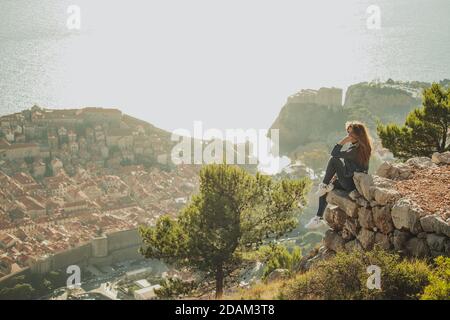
{"x":426,"y":129}
{"x":233,"y":213}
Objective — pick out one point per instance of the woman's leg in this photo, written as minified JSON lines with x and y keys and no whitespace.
{"x":334,"y":167}
{"x":322,"y":205}
{"x":323,"y":199}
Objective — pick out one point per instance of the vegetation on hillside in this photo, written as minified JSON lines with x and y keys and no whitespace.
{"x":279,"y":257}
{"x":345,"y":276}
{"x":233,"y":213}
{"x":426,"y":129}
{"x":32,"y":286}
{"x":439,"y":281}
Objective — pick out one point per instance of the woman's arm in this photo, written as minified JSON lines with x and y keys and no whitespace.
{"x":347,"y":139}
{"x":347,"y":154}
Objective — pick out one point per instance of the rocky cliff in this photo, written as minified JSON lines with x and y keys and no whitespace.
{"x":405,"y":207}
{"x":317,"y":116}
{"x":389,"y":102}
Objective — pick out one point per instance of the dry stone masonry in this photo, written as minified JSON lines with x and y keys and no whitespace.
{"x":378,"y":214}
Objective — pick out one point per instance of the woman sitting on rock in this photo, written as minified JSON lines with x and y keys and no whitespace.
{"x":342,"y":165}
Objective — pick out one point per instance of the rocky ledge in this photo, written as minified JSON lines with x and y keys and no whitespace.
{"x":404,"y":207}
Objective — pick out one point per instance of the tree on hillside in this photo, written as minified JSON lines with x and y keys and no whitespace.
{"x":233,"y":213}
{"x":426,"y":129}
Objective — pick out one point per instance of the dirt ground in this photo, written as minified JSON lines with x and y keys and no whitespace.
{"x":430,"y":188}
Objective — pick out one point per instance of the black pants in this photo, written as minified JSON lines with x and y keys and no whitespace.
{"x":335,"y":167}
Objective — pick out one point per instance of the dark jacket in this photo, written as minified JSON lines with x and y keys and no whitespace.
{"x":349,"y":156}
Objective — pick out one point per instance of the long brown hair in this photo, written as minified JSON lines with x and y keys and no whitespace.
{"x":361,"y":133}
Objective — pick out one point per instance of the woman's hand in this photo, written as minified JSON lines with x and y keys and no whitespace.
{"x":347,"y":139}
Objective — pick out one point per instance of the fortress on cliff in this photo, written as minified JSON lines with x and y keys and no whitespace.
{"x":331,"y":97}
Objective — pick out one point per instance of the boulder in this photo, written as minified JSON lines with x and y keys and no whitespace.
{"x":353,"y":245}
{"x":333,"y":241}
{"x":442,"y":227}
{"x":382,"y":219}
{"x":422,"y":235}
{"x":335,"y":217}
{"x":354,"y":195}
{"x":366,"y":238}
{"x":346,"y":235}
{"x":399,"y":239}
{"x":382,"y":241}
{"x":421,"y":162}
{"x":406,"y":216}
{"x":351,"y":228}
{"x":385,"y":170}
{"x":341,"y":199}
{"x":394,"y":171}
{"x":362,"y":202}
{"x":383,"y":182}
{"x":435,"y":242}
{"x":441,"y":158}
{"x":435,"y":224}
{"x":384,"y":196}
{"x":417,"y":247}
{"x":365,"y":218}
{"x":404,"y":171}
{"x":278,"y":274}
{"x":363,"y":182}
{"x":429,"y":222}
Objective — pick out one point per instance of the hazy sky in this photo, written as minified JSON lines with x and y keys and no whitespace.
{"x":230,"y":64}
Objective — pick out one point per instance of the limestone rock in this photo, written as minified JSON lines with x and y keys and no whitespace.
{"x":335,"y":217}
{"x":382,"y":240}
{"x":341,"y":199}
{"x":353,"y":245}
{"x":406,"y":216}
{"x":442,"y":227}
{"x":417,"y":247}
{"x":351,"y":228}
{"x":394,"y":171}
{"x":384,"y":196}
{"x":435,"y":224}
{"x":363,"y":182}
{"x":333,"y":241}
{"x":382,"y":219}
{"x":441,"y":158}
{"x":429,"y":223}
{"x":365,"y":218}
{"x":422,"y":235}
{"x":421,"y":162}
{"x":366,"y":238}
{"x":354,"y":195}
{"x":435,"y":242}
{"x":399,"y":239}
{"x":381,"y":182}
{"x":362,"y":202}
{"x":346,"y":235}
{"x":278,"y":274}
{"x":385,"y":170}
{"x":447,"y":247}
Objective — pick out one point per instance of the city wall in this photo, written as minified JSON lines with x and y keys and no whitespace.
{"x":104,"y":250}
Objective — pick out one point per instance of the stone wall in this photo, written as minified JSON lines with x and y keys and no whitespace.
{"x":376,"y":214}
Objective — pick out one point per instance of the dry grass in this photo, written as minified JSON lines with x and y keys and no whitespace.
{"x":260,"y":291}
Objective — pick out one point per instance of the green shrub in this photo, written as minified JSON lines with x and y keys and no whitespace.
{"x":345,"y":276}
{"x":439,"y":287}
{"x":279,"y":257}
